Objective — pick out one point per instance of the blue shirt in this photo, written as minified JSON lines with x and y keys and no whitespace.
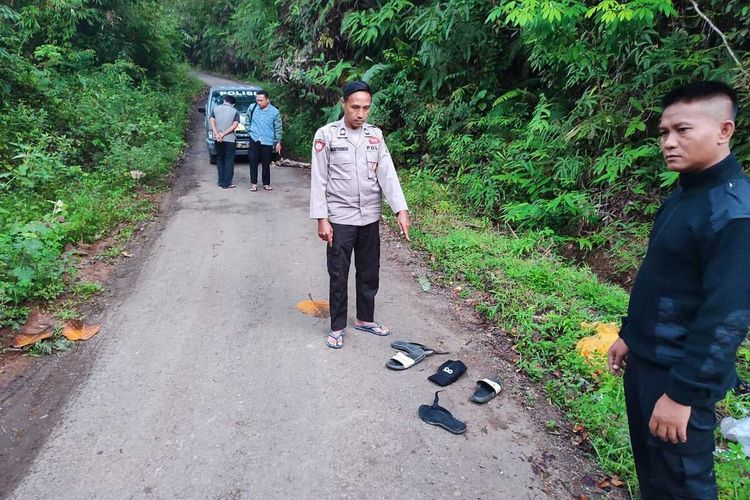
{"x":266,"y":126}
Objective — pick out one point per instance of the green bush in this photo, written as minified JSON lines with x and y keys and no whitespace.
{"x":83,"y":121}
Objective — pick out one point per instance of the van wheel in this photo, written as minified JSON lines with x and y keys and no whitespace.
{"x":212,"y":159}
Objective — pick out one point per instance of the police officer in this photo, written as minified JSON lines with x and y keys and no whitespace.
{"x":351,"y":170}
{"x":690,"y":304}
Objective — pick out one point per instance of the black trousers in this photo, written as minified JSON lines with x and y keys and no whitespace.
{"x":225,"y":162}
{"x":263,"y":154}
{"x":365,"y":242}
{"x":666,"y":470}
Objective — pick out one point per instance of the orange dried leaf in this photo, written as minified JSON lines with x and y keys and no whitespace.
{"x":77,"y":330}
{"x":578,"y":428}
{"x":24,"y":339}
{"x":603,"y":484}
{"x":317,"y":308}
{"x":597,"y":345}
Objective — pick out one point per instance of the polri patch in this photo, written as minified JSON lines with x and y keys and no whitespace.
{"x":319,"y":145}
{"x":374,"y":140}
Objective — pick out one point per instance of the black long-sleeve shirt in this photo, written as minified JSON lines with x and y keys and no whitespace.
{"x":690,"y":304}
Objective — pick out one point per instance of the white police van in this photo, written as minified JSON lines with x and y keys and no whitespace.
{"x":245,"y":97}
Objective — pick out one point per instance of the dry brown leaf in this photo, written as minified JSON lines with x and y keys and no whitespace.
{"x":317,"y":308}
{"x":617,"y":482}
{"x":603,"y":484}
{"x":38,"y":322}
{"x":24,"y":339}
{"x":78,"y":330}
{"x":578,"y":428}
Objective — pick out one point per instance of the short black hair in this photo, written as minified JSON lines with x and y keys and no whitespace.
{"x":700,"y":91}
{"x":355,"y":86}
{"x":262,"y":92}
{"x":230,"y":99}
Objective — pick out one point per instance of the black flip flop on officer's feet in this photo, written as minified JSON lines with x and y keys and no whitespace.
{"x":437,"y":415}
{"x":375,"y":328}
{"x":487,"y":388}
{"x":336,"y":338}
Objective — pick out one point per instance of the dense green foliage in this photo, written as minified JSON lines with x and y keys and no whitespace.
{"x":89,"y":90}
{"x":543,"y":113}
{"x":535,"y":119}
{"x":540,"y":114}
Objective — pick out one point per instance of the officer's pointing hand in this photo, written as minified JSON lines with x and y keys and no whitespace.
{"x":403,"y":223}
{"x":325,"y":231}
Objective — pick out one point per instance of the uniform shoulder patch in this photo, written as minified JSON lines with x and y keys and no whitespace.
{"x":319,"y":145}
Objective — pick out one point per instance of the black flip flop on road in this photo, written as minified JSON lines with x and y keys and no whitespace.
{"x":437,"y":415}
{"x":412,"y":354}
{"x":487,"y":388}
{"x":448,"y":372}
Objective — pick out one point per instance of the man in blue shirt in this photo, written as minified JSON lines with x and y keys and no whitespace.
{"x":263,"y":123}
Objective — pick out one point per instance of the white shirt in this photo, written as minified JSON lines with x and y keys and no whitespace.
{"x":349,"y":175}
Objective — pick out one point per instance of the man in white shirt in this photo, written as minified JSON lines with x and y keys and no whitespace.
{"x":351,"y":171}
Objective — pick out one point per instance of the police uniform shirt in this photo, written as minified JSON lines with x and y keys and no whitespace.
{"x":349,"y":176}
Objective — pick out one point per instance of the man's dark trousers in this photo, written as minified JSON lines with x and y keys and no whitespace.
{"x":225,"y":162}
{"x":667,"y":471}
{"x":259,"y":152}
{"x":365,"y":242}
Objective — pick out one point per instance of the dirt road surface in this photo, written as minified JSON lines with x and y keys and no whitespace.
{"x":206,"y":382}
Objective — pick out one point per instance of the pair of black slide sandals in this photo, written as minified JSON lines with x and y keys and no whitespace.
{"x":411,"y":353}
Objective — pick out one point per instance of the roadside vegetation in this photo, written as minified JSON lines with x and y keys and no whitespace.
{"x":525,"y":133}
{"x":93,"y":105}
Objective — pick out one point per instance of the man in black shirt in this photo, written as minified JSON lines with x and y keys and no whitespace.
{"x":690,"y":304}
